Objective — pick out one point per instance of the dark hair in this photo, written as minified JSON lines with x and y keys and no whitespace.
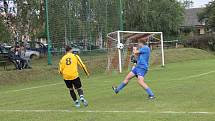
{"x":68,"y":48}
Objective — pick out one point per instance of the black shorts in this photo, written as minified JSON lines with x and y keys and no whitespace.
{"x":76,"y":83}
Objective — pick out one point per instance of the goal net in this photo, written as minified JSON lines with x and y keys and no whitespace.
{"x":121,"y":43}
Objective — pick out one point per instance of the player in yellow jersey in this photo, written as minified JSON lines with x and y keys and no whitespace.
{"x":68,"y":68}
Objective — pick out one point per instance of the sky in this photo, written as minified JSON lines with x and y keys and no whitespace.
{"x":200,"y":3}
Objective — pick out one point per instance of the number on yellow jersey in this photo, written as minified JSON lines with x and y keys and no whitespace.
{"x":68,"y":61}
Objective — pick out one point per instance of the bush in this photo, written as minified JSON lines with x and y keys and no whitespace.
{"x":206,"y":42}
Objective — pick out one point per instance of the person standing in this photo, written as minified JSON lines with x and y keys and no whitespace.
{"x":140,"y":69}
{"x":68,"y":68}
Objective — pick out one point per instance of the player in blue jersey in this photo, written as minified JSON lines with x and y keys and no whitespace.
{"x":140,"y":70}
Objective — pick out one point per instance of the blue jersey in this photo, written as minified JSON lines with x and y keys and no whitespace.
{"x":143,"y":57}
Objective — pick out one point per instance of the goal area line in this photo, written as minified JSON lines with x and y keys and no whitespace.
{"x":102,"y":111}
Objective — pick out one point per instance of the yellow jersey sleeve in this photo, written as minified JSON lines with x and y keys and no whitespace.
{"x":81,"y":64}
{"x":60,"y":68}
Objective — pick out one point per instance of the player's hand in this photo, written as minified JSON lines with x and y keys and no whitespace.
{"x":87,"y":73}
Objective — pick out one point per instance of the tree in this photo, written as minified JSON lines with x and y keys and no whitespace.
{"x":154,"y":15}
{"x":29,"y":19}
{"x":79,"y":20}
{"x":4,"y":32}
{"x":208,"y":16}
{"x":187,"y":3}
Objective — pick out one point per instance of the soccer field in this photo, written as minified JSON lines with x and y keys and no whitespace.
{"x":184,"y":91}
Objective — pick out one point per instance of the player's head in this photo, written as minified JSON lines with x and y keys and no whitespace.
{"x":68,"y":49}
{"x":142,"y":42}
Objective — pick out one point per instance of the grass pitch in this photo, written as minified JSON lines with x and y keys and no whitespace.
{"x":184,"y":91}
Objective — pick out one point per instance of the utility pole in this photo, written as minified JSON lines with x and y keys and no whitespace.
{"x":48,"y":34}
{"x":89,"y":24}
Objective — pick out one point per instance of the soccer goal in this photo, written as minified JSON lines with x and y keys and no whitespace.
{"x":121,"y":43}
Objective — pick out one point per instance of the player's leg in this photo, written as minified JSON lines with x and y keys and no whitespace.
{"x":78,"y":87}
{"x":74,"y":97}
{"x":72,"y":92}
{"x":141,"y":74}
{"x":124,"y":83}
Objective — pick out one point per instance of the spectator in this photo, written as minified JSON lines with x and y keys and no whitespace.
{"x":16,"y":56}
{"x":27,"y":59}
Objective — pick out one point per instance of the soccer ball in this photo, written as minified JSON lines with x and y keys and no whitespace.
{"x":120,"y":46}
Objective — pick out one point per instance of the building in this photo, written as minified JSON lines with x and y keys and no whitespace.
{"x":191,"y":24}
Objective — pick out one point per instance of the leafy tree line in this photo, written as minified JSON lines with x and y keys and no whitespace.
{"x":163,"y":15}
{"x":77,"y":20}
{"x":28,"y":21}
{"x":4,"y":32}
{"x":81,"y":19}
{"x":87,"y":19}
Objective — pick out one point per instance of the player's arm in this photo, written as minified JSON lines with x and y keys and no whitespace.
{"x":137,"y":51}
{"x":60,"y":69}
{"x":81,"y":64}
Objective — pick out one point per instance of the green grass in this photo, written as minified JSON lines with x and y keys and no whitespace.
{"x":178,"y":87}
{"x":180,"y":55}
{"x":96,"y":63}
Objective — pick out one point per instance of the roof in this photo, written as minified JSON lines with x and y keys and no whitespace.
{"x":191,"y":18}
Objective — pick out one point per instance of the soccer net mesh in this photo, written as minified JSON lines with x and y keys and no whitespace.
{"x":83,"y":24}
{"x":121,"y":43}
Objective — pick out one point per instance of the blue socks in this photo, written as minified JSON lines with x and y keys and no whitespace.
{"x":149,"y":92}
{"x":120,"y":87}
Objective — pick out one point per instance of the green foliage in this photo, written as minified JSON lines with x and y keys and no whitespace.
{"x":86,"y":20}
{"x":28,"y":20}
{"x":206,"y":42}
{"x":5,"y":35}
{"x":208,"y":15}
{"x":154,"y":15}
{"x":187,"y":3}
{"x":81,"y":20}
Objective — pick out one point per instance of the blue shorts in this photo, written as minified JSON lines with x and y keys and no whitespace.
{"x":139,"y":71}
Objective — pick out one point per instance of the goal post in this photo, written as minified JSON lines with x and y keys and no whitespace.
{"x":119,"y":52}
{"x":122,"y":42}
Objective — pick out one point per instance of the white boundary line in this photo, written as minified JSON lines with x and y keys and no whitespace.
{"x":30,"y":88}
{"x":100,"y":111}
{"x":194,"y":76}
{"x":48,"y":85}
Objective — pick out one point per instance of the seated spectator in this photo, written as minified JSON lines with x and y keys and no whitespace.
{"x":16,"y":59}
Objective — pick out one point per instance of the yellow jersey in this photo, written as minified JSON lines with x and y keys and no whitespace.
{"x":68,"y":66}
